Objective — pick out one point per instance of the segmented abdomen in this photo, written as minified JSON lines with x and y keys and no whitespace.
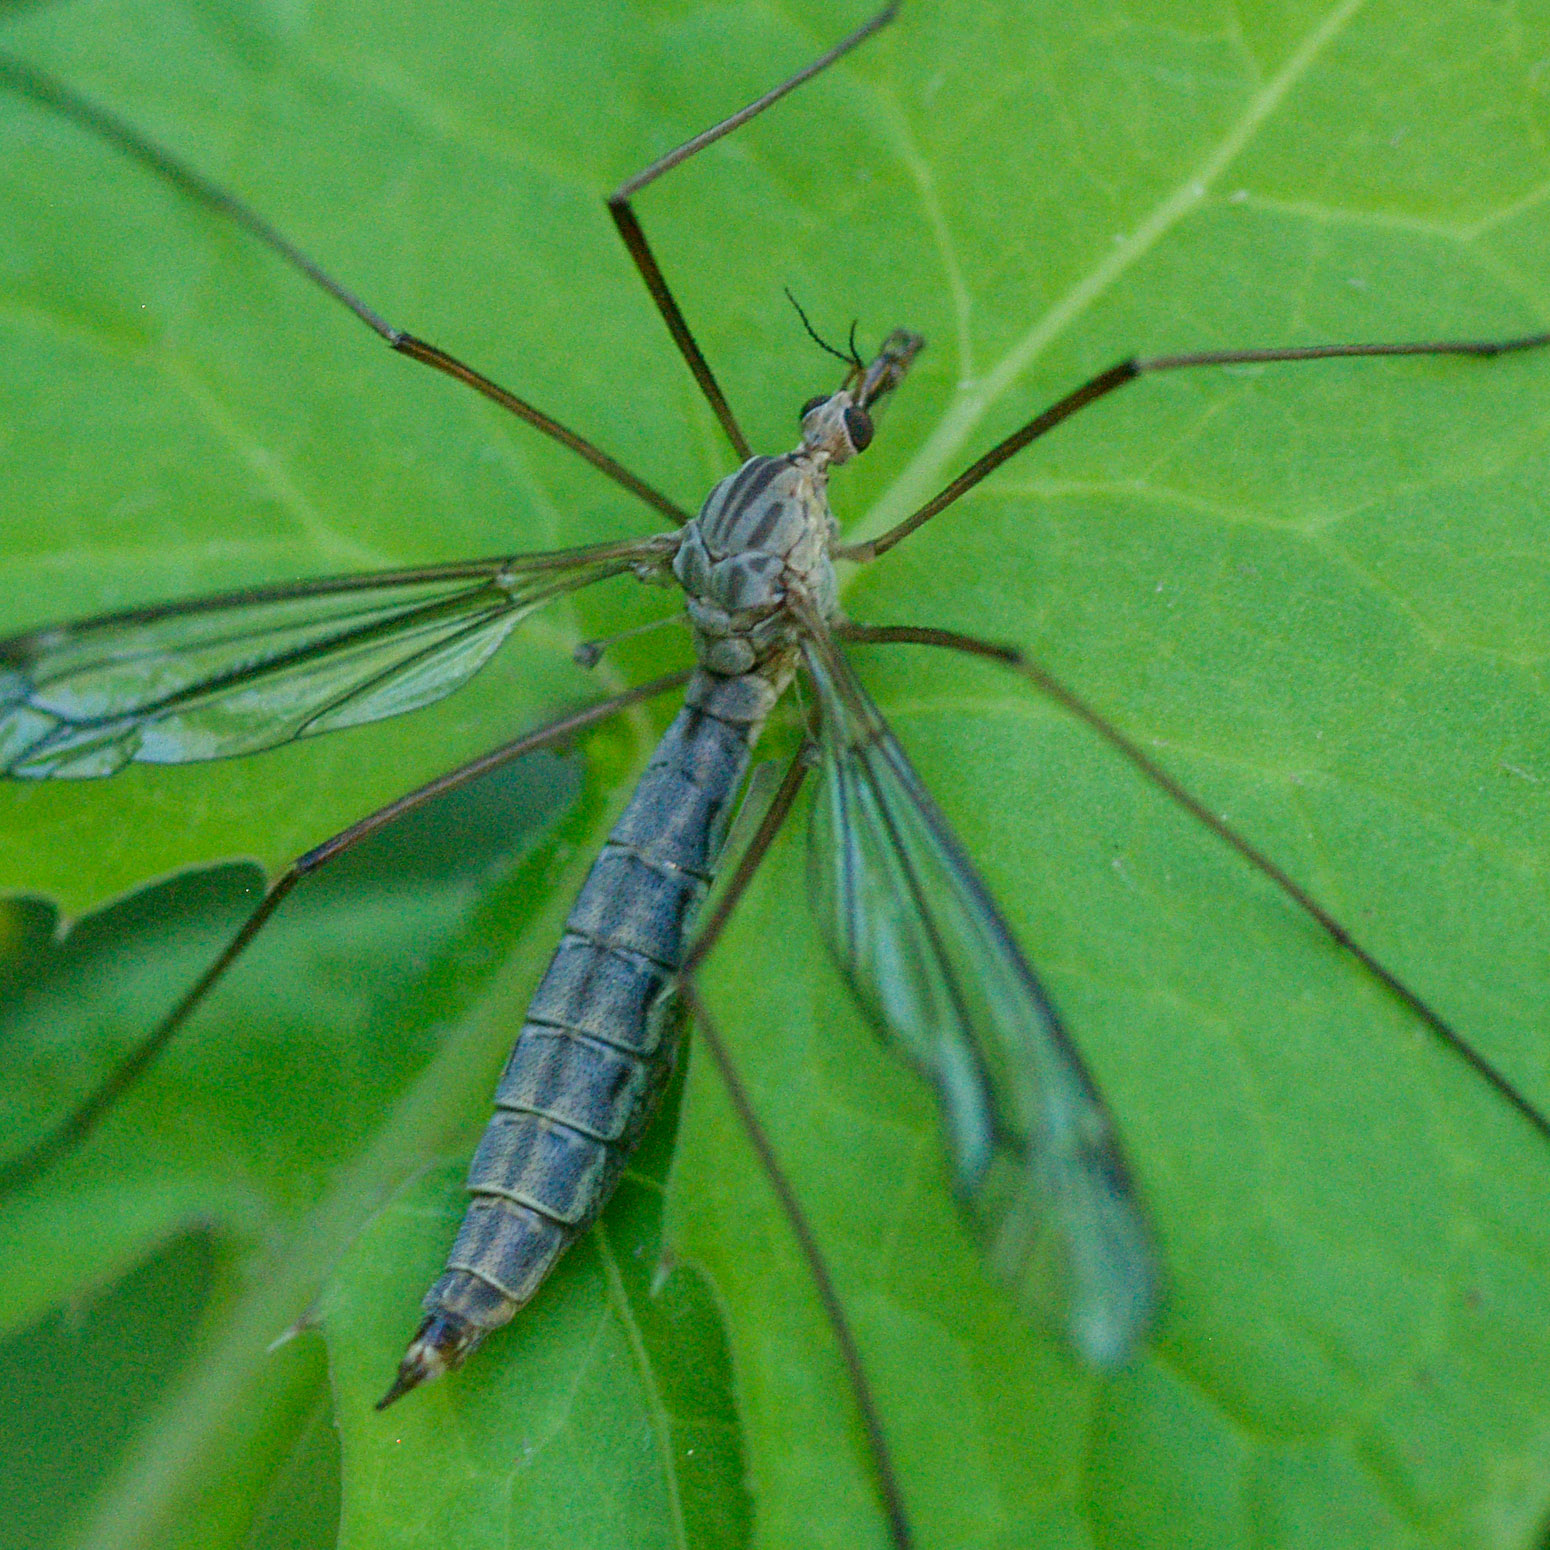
{"x":599,"y":1040}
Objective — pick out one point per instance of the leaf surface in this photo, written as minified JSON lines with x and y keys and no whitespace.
{"x":1317,"y":593}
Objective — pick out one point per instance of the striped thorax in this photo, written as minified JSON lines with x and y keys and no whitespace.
{"x":763,"y":538}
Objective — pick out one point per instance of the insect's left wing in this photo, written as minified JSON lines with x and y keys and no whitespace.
{"x":1035,"y":1158}
{"x":213,"y":677}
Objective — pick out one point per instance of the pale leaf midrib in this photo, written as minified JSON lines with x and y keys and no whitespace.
{"x":935,"y":462}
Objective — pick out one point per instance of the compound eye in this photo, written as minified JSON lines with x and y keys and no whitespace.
{"x":858,"y":426}
{"x":812,"y":404}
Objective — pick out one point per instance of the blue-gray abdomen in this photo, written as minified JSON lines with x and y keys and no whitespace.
{"x":600,"y":1036}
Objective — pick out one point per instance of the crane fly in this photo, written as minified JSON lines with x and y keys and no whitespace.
{"x":1034,"y":1155}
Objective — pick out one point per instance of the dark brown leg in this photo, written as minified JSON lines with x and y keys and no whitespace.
{"x":1009,"y":656}
{"x":20,"y":1170}
{"x":1125,"y":371}
{"x":791,"y":1207}
{"x":52,"y":94}
{"x":640,"y":250}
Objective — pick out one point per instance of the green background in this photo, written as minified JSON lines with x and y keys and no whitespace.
{"x":1318,"y":594}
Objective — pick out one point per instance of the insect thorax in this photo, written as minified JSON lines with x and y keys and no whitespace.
{"x":761,"y":540}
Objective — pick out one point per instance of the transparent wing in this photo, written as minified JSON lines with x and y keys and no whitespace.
{"x":214,"y":677}
{"x":1036,"y":1161}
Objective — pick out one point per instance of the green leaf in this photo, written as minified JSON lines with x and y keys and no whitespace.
{"x":1316,"y":593}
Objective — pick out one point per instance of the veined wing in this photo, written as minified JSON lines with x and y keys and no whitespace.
{"x":212,"y":677}
{"x":1035,"y":1158}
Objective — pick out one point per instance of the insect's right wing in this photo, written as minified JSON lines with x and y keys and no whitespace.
{"x":1035,"y":1158}
{"x":214,"y":677}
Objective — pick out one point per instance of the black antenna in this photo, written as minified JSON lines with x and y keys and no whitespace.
{"x":852,"y":360}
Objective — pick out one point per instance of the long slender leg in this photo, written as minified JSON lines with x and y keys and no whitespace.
{"x":1126,"y":371}
{"x":1009,"y":656}
{"x":76,"y":1127}
{"x":748,"y":863}
{"x":53,"y":94}
{"x":791,"y":1207}
{"x":629,"y":226}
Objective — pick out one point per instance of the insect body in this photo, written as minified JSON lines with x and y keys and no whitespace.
{"x":599,"y":1038}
